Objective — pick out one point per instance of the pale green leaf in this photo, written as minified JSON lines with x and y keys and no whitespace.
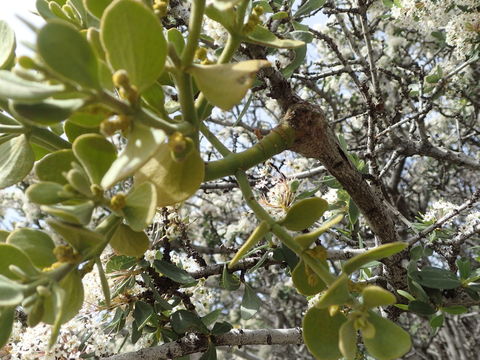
{"x":250,"y":303}
{"x":7,"y":44}
{"x":36,"y":244}
{"x":16,"y":88}
{"x":46,"y":193}
{"x":11,"y":255}
{"x":16,"y":160}
{"x":262,"y":36}
{"x":141,"y":204}
{"x":125,"y":241}
{"x":47,"y":112}
{"x":53,"y":165}
{"x":304,"y":213}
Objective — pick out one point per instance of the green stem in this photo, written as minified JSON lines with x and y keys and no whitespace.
{"x":280,"y":231}
{"x":278,"y":140}
{"x":241,"y":10}
{"x":49,"y":138}
{"x":103,"y":281}
{"x":194,"y":29}
{"x":148,"y":118}
{"x":222,"y":149}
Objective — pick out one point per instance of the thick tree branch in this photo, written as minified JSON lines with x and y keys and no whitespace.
{"x":193,"y":343}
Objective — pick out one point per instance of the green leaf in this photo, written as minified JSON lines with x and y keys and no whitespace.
{"x":74,"y":131}
{"x":121,"y":262}
{"x":78,"y":179}
{"x":226,"y":17}
{"x":16,"y":160}
{"x":300,"y":54}
{"x":174,"y":180}
{"x":7,"y":317}
{"x":11,"y":293}
{"x":142,"y":314}
{"x":47,"y":112}
{"x":336,"y":294}
{"x":81,"y":239}
{"x":143,"y":143}
{"x":250,"y":303}
{"x":229,"y":281}
{"x":36,"y":244}
{"x":406,"y":295}
{"x":46,"y":193}
{"x":390,"y":340}
{"x":173,"y":272}
{"x":3,"y":235}
{"x":133,"y":40}
{"x":7,"y":45}
{"x":307,"y":283}
{"x":262,"y":36}
{"x":348,"y":340}
{"x":321,"y":333}
{"x":304,"y":213}
{"x":221,"y":328}
{"x":436,"y":278}
{"x":96,"y":154}
{"x":455,"y":309}
{"x":141,"y":205}
{"x":15,"y":88}
{"x":211,"y":317}
{"x":53,"y":165}
{"x":11,"y":255}
{"x":175,"y":37}
{"x":377,"y":253}
{"x":183,"y":321}
{"x":260,"y":231}
{"x":374,"y":296}
{"x":77,"y":212}
{"x":225,"y":85}
{"x":308,"y":7}
{"x":210,"y":354}
{"x":74,"y":294}
{"x":421,"y":308}
{"x":305,"y":240}
{"x":125,"y":241}
{"x":67,"y":53}
{"x":464,"y":268}
{"x":437,"y":321}
{"x":96,"y":7}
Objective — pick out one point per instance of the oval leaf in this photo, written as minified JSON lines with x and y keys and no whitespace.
{"x":142,"y":143}
{"x":7,"y":44}
{"x":390,"y":340}
{"x":262,"y":36}
{"x":53,"y":165}
{"x":68,"y":53}
{"x":47,"y":112}
{"x":46,"y":193}
{"x":16,"y":160}
{"x":304,"y":213}
{"x":96,"y":154}
{"x":173,"y":272}
{"x":7,"y":317}
{"x":321,"y":333}
{"x":374,"y":296}
{"x":336,"y":294}
{"x":96,"y":7}
{"x":11,"y":255}
{"x":175,"y":180}
{"x":225,"y":85}
{"x":15,"y":88}
{"x":307,"y":283}
{"x":36,"y":244}
{"x":11,"y":293}
{"x":348,"y":340}
{"x":436,"y":278}
{"x":125,"y":241}
{"x":250,"y":303}
{"x":377,"y":253}
{"x":81,"y":239}
{"x":133,"y":40}
{"x":75,"y":212}
{"x":260,"y":231}
{"x":140,"y":206}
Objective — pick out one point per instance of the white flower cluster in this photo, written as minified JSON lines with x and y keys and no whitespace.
{"x":472,"y":222}
{"x":426,"y":16}
{"x":215,"y":30}
{"x":438,"y":209}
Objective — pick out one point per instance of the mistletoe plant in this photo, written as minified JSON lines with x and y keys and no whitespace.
{"x":96,"y":85}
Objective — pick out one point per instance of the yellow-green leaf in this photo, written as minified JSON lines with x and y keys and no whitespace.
{"x":7,"y":45}
{"x":175,"y":180}
{"x":390,"y":340}
{"x":348,"y":340}
{"x":377,"y":253}
{"x":125,"y":241}
{"x":307,"y":283}
{"x":143,"y":143}
{"x":11,"y":293}
{"x":15,"y":88}
{"x":96,"y":154}
{"x":133,"y":40}
{"x":305,"y":240}
{"x":73,"y":211}
{"x":67,"y":53}
{"x":321,"y":333}
{"x":336,"y":294}
{"x":262,"y":36}
{"x":225,"y":85}
{"x":304,"y":213}
{"x":80,"y":238}
{"x":53,"y":165}
{"x":11,"y":255}
{"x":47,"y":112}
{"x":7,"y":317}
{"x":46,"y":193}
{"x":36,"y":244}
{"x":96,"y":7}
{"x":141,"y":204}
{"x":374,"y":296}
{"x":260,"y":231}
{"x":16,"y":160}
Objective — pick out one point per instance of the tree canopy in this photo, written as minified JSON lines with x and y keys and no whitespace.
{"x":235,"y":178}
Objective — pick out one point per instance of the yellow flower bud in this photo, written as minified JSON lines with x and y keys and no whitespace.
{"x":118,"y":202}
{"x":120,"y":79}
